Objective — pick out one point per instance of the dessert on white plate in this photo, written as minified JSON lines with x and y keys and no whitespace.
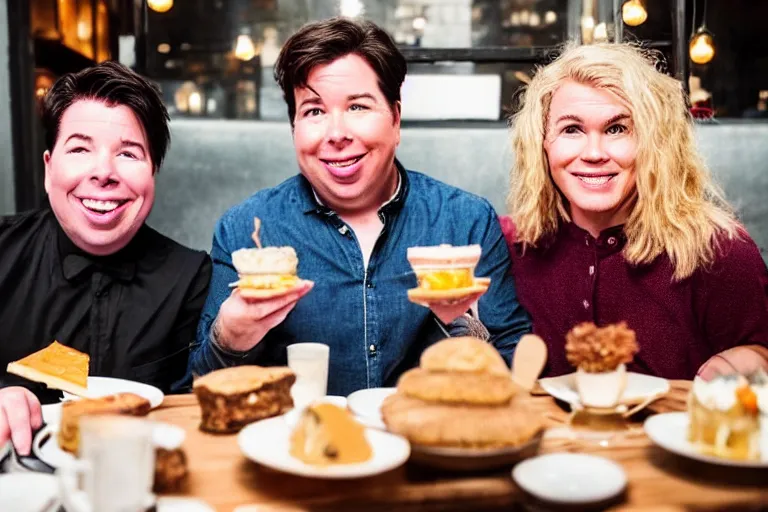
{"x":725,"y":414}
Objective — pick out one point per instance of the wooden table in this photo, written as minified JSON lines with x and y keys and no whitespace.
{"x":225,"y":479}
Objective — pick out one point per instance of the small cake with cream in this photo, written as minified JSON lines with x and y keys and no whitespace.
{"x":724,"y":415}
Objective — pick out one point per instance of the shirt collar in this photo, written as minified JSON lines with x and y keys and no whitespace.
{"x":612,"y":239}
{"x":311,"y":202}
{"x":75,"y":261}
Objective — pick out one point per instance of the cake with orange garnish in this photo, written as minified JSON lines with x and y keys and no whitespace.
{"x":724,"y":415}
{"x":445,"y":272}
{"x":327,"y":434}
{"x":57,"y":366}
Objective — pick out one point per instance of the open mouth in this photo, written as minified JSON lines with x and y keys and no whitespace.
{"x":595,"y":180}
{"x":102,"y":207}
{"x":341,"y":164}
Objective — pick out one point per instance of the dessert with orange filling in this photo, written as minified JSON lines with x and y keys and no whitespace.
{"x":327,"y":434}
{"x":57,"y":366}
{"x":445,"y":272}
{"x":724,"y":415}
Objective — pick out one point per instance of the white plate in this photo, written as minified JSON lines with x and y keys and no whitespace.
{"x":46,"y":448}
{"x":102,"y":386}
{"x":267,"y":442}
{"x":366,"y":405}
{"x":639,"y":387}
{"x":28,"y":492}
{"x":162,"y":503}
{"x":570,"y":478}
{"x":670,"y":431}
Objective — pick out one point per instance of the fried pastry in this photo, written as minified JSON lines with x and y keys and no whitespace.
{"x":466,"y":426}
{"x":453,"y":387}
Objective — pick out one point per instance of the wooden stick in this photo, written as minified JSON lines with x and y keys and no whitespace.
{"x":256,"y":228}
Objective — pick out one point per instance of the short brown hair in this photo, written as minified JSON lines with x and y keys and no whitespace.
{"x":322,"y":42}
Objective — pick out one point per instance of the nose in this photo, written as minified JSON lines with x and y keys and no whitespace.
{"x":338,"y":131}
{"x":103,"y":171}
{"x":593,"y":151}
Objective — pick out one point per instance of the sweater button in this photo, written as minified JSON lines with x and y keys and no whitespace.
{"x":586,"y":304}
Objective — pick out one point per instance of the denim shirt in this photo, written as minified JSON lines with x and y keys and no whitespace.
{"x":364,"y":315}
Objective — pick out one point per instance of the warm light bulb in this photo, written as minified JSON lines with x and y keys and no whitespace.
{"x":702,"y":47}
{"x":160,"y":5}
{"x":244,"y":48}
{"x":195,"y":103}
{"x":633,"y":13}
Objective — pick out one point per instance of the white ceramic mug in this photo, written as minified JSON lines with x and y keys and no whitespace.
{"x":116,"y":467}
{"x":309,"y":361}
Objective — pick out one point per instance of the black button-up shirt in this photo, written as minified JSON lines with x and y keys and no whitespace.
{"x":134,"y":312}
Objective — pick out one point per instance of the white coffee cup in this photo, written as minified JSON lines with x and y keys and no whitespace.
{"x":116,"y":466}
{"x":309,"y":361}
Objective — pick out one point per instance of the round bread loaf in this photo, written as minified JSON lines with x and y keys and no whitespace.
{"x":467,"y":388}
{"x":464,"y":354}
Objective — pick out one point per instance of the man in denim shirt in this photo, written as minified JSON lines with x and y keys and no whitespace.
{"x":351,"y":215}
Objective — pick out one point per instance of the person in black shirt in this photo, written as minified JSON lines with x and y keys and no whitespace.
{"x":88,"y":272}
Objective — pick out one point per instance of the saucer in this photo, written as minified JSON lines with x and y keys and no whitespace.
{"x":570,"y":478}
{"x":640,"y":388}
{"x":29,"y":492}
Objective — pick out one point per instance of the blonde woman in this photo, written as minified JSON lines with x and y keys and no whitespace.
{"x":614,"y":217}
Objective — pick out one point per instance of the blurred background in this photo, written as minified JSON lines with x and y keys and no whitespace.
{"x":468,"y":59}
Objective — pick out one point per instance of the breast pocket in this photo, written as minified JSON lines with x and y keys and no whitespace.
{"x":163,"y":372}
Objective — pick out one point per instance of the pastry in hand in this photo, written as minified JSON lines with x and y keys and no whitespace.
{"x":57,"y":366}
{"x":445,"y":273}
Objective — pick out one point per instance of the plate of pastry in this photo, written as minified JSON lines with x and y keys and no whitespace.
{"x":601,"y":380}
{"x":461,"y":410}
{"x":726,"y":422}
{"x":326,"y":442}
{"x":61,"y":367}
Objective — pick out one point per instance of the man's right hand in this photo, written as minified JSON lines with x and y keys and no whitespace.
{"x":20,"y":414}
{"x":243,"y":322}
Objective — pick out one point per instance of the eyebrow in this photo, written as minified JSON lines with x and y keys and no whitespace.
{"x":79,"y":136}
{"x":352,"y":97}
{"x":125,"y":143}
{"x":362,"y":95}
{"x":614,"y":119}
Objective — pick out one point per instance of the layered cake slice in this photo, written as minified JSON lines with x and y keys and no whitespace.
{"x":327,"y":434}
{"x":231,"y":398}
{"x":57,"y":366}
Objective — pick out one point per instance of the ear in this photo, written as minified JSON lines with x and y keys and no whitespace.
{"x":397,"y":114}
{"x":47,"y":163}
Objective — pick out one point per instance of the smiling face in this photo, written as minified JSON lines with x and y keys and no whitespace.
{"x":345,"y":135}
{"x":591,"y":151}
{"x":99,"y":176}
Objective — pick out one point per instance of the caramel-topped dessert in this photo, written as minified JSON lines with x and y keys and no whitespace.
{"x":327,"y":434}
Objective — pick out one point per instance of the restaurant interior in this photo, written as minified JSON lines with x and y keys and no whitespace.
{"x":468,"y":61}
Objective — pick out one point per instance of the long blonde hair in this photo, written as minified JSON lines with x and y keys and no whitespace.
{"x":679,"y":209}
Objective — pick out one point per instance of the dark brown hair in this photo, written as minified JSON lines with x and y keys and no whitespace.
{"x":114,"y":84}
{"x":322,"y":42}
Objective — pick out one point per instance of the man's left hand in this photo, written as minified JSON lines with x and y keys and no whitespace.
{"x":742,"y":360}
